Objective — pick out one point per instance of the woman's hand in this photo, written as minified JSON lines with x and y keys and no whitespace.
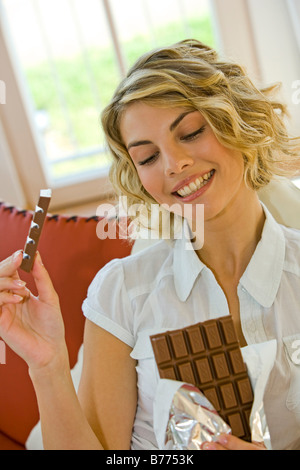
{"x":31,"y":326}
{"x":229,"y":442}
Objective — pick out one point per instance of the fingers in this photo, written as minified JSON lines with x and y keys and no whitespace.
{"x":229,"y":442}
{"x":12,"y":289}
{"x":10,"y":298}
{"x":9,"y":266}
{"x":43,"y":282}
{"x":8,"y":283}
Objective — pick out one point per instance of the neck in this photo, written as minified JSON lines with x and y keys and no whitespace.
{"x":231,"y":237}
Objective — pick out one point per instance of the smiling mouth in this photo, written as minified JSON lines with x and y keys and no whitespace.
{"x":195,"y":185}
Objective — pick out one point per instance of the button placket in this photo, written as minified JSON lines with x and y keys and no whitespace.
{"x":251,"y":317}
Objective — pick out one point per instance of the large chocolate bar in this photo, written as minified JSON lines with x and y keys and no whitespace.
{"x":35,"y":230}
{"x":208,"y":356}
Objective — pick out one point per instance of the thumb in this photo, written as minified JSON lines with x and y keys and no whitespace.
{"x":46,"y":291}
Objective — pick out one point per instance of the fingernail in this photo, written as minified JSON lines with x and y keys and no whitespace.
{"x":209,"y":446}
{"x":223,"y":439}
{"x":17,"y":254}
{"x":38,"y":257}
{"x":19,"y":283}
{"x":18,"y":297}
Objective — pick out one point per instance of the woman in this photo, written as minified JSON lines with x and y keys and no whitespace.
{"x":185,"y":128}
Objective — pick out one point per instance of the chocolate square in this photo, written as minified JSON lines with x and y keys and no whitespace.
{"x":208,"y":356}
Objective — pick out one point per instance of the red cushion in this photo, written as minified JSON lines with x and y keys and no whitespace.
{"x":8,"y":444}
{"x":72,"y":254}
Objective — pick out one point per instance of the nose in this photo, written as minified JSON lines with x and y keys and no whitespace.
{"x":176,"y":162}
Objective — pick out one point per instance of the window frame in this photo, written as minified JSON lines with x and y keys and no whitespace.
{"x":21,"y":136}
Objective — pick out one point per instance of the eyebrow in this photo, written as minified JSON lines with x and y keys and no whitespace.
{"x":172,"y":127}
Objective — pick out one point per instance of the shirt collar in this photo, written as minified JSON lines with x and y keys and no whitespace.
{"x":262,"y":276}
{"x":186,"y":264}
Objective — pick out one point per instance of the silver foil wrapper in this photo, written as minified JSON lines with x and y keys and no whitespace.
{"x":193,"y":420}
{"x":184,"y":419}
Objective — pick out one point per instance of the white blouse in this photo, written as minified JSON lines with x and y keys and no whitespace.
{"x":167,"y":287}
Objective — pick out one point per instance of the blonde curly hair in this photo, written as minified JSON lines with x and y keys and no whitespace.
{"x":190,"y":74}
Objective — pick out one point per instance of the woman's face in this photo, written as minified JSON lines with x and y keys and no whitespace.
{"x":178,"y":158}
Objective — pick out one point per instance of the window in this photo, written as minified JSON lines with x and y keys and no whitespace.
{"x":61,"y":60}
{"x":72,"y":55}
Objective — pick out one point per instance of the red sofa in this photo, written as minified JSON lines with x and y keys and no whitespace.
{"x":72,"y":253}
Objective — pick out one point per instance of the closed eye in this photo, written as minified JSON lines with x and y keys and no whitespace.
{"x":193,"y":135}
{"x":149,"y":160}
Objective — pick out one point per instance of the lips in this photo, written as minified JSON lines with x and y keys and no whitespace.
{"x":192,"y":185}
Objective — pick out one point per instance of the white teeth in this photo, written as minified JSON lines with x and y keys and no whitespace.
{"x":195,"y":185}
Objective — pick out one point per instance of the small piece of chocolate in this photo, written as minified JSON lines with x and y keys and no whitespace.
{"x":35,"y":230}
{"x":208,"y":356}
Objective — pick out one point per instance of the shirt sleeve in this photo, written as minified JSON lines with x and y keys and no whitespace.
{"x":107,"y":303}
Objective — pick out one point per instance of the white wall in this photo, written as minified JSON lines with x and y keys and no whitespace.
{"x":263,"y":35}
{"x":277,"y":49}
{"x":11,"y":191}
